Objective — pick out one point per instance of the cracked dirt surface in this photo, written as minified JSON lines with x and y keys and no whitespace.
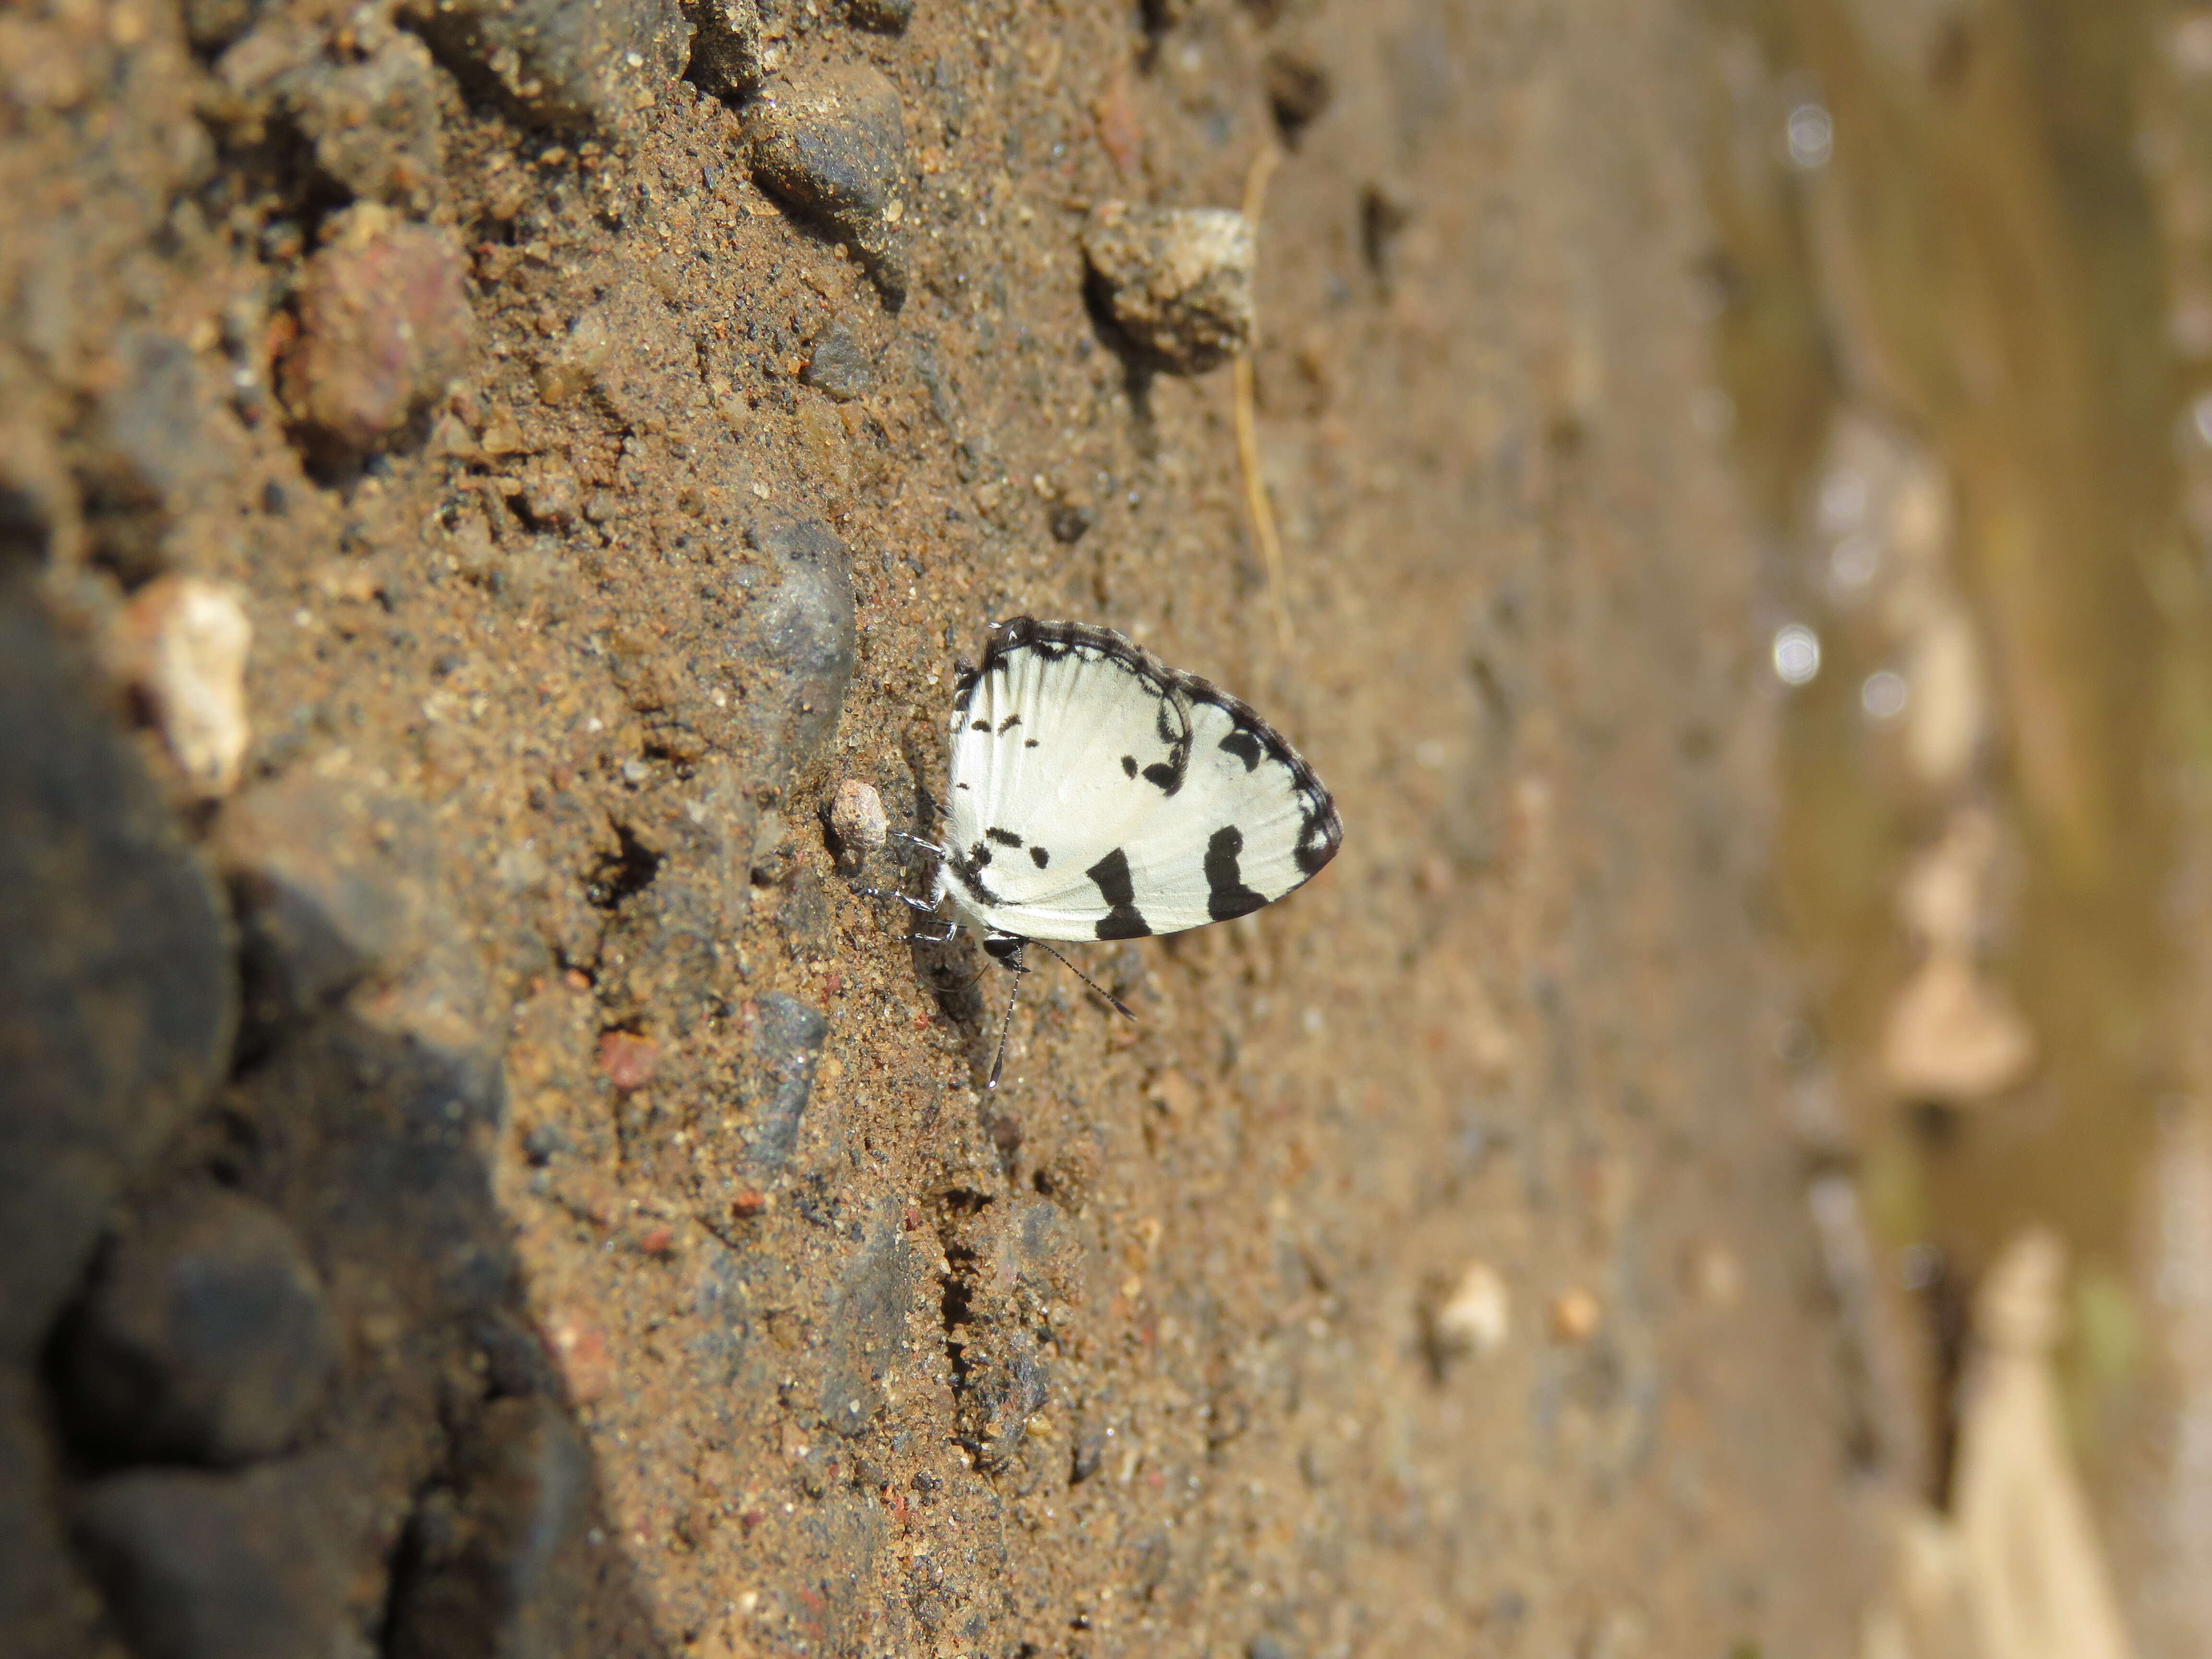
{"x":693,"y":1298}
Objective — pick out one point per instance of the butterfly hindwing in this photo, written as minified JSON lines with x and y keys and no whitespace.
{"x":1098,"y":794}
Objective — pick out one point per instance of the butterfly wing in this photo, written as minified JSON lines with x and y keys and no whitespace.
{"x":1098,"y":794}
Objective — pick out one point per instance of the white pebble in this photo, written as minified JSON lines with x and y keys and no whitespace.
{"x":185,"y":642}
{"x":857,"y":818}
{"x":1477,"y":1316}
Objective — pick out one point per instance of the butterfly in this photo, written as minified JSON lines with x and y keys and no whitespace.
{"x":1096,"y":793}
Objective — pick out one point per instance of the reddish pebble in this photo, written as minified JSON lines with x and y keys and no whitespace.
{"x":629,"y":1059}
{"x":747,"y":1204}
{"x":657,"y":1241}
{"x":385,"y":324}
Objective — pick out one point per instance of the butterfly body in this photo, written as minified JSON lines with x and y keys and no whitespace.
{"x":1097,"y":794}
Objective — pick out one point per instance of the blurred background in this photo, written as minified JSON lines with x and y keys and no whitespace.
{"x":1965,"y":303}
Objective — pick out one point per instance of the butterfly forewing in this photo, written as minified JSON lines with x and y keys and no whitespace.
{"x":1096,"y":794}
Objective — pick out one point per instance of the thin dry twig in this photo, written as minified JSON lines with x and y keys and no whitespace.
{"x":1248,"y":424}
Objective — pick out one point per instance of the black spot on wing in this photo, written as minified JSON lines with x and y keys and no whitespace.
{"x":1004,"y":838}
{"x":979,"y":855}
{"x":969,"y":875}
{"x":1010,"y":722}
{"x":1227,"y":896}
{"x":1039,"y":857}
{"x":1121,"y":919}
{"x":1031,"y":743}
{"x":979,"y":726}
{"x":1128,"y":766}
{"x":1246,"y":747}
{"x":1320,"y":834}
{"x":1163,"y":777}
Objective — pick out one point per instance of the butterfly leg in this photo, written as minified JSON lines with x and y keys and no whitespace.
{"x":1006,"y":948}
{"x":907,"y":899}
{"x":916,"y":840}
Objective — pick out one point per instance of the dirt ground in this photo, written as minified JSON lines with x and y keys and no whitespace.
{"x":1427,"y":1269}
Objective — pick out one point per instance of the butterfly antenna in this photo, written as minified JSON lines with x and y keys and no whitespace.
{"x":1120,"y":1007}
{"x":1007,"y":1026}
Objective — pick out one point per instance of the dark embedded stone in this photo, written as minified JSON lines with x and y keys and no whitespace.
{"x":203,"y":1565}
{"x":840,"y":364}
{"x":118,"y":994}
{"x":1298,"y":90}
{"x":496,"y":1562}
{"x":558,"y":64}
{"x":866,"y":1325}
{"x":116,"y":999}
{"x":807,"y":634}
{"x":725,"y":45}
{"x":887,"y":16}
{"x":833,"y":147}
{"x":205,"y":1337}
{"x":787,"y":1044}
{"x":1070,"y":521}
{"x":1089,"y":1456}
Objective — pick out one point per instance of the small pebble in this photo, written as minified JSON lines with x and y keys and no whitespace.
{"x":1178,"y":281}
{"x":832,"y":146}
{"x":725,"y":52}
{"x":840,"y":365}
{"x":385,"y":324}
{"x":1070,"y":520}
{"x":858,"y":820}
{"x":628,"y":1061}
{"x":1475,"y":1317}
{"x":183,"y":642}
{"x":1574,"y":1316}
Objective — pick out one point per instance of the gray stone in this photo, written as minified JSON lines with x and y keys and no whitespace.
{"x":832,"y":147}
{"x":866,"y":1326}
{"x":323,"y":905}
{"x":787,"y":1044}
{"x":377,"y":123}
{"x":839,"y":364}
{"x":206,"y":1337}
{"x":201,"y":1565}
{"x":496,"y":1562}
{"x":725,"y":45}
{"x":806,"y":638}
{"x":563,"y":63}
{"x":153,"y":447}
{"x":1177,"y":280}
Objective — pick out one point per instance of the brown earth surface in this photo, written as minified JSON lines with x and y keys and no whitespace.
{"x":664,"y":1279}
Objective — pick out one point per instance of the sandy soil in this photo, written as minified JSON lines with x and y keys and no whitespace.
{"x":691,"y":1296}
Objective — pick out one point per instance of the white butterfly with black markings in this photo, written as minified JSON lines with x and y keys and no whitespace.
{"x":1096,"y":793}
